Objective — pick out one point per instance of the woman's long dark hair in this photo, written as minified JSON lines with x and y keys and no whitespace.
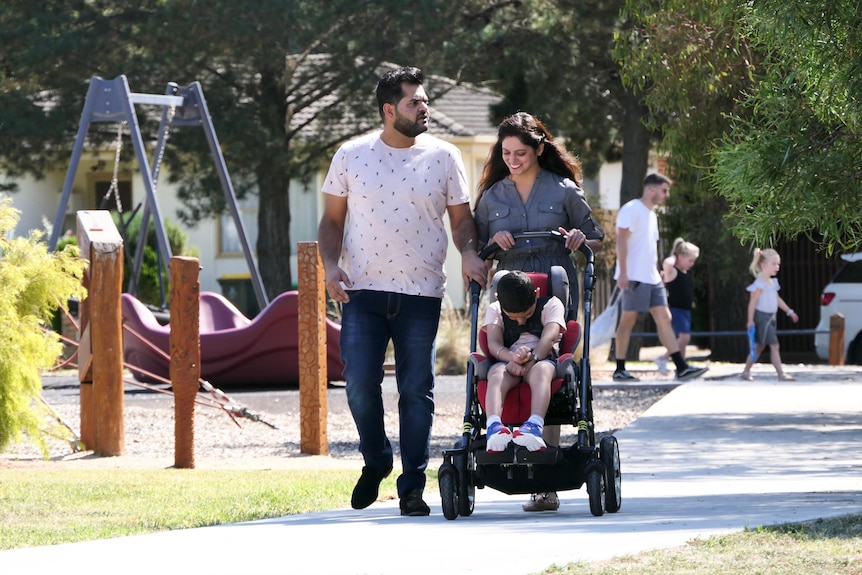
{"x":533,"y":133}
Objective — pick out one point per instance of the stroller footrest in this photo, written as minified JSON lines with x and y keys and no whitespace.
{"x":549,"y":456}
{"x":517,"y":455}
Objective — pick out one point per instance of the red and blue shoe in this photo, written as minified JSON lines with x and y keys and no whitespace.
{"x":499,"y":437}
{"x":529,"y":435}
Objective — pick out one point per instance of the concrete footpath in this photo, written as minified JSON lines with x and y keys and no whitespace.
{"x":714,"y":456}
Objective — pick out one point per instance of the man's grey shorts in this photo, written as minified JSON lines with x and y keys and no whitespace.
{"x":641,"y":297}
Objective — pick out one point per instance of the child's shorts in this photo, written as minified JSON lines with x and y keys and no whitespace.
{"x":767,"y":332}
{"x":680,"y":320}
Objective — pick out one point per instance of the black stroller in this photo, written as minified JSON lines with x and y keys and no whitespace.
{"x":516,"y":470}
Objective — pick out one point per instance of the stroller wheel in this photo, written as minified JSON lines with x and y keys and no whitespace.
{"x":596,"y":490}
{"x":466,"y":466}
{"x":609,"y":453}
{"x":447,"y":478}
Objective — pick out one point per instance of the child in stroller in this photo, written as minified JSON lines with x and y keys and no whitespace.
{"x":469,"y":465}
{"x":525,"y":331}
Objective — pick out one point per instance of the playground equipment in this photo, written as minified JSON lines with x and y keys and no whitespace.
{"x":113,"y":101}
{"x":234,"y":349}
{"x":255,"y":350}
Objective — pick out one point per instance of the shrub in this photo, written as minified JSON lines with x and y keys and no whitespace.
{"x":33,"y":284}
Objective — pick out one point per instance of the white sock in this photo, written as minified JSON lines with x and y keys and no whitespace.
{"x":537,"y":420}
{"x":493,"y":419}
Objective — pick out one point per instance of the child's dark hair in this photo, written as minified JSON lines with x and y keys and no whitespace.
{"x":515,"y":292}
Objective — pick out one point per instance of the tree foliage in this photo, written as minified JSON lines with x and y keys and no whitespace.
{"x":33,"y":283}
{"x":760,"y":102}
{"x":553,"y":58}
{"x":790,"y":163}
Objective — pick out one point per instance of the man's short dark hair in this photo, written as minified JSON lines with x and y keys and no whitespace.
{"x":389,"y":87}
{"x":656,"y":179}
{"x":515,"y":292}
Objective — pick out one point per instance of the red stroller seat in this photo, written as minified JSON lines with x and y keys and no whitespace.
{"x":516,"y":405}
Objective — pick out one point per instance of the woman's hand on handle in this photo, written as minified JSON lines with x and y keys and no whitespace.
{"x":574,"y":237}
{"x":504,"y":239}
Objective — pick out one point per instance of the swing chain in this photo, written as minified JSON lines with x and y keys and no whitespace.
{"x":115,"y":181}
{"x":172,"y":110}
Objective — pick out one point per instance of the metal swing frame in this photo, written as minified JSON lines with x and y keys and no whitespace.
{"x":113,"y":101}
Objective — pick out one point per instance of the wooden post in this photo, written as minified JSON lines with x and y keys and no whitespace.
{"x":85,"y":368}
{"x":102,"y":425}
{"x":312,"y":350}
{"x":836,"y":339}
{"x":185,"y":340}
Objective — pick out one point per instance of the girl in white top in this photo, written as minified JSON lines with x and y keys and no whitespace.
{"x":763,"y":304}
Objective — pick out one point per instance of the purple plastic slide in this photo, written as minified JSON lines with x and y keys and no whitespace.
{"x":234,"y":349}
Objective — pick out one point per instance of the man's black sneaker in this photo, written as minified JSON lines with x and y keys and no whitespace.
{"x":624,"y":375}
{"x":413,"y":506}
{"x":365,"y":492}
{"x":690,"y":372}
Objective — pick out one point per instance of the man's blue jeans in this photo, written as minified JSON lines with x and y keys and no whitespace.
{"x":368,"y":321}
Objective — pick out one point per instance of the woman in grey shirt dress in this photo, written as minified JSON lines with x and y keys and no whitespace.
{"x":531,"y":184}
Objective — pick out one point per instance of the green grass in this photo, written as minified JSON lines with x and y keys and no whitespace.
{"x":46,"y":507}
{"x":822,"y":547}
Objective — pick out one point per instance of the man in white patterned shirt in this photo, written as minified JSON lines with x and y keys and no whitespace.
{"x":386,"y":195}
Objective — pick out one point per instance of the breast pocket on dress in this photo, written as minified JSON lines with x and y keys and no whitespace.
{"x":499,"y":218}
{"x":551,"y":216}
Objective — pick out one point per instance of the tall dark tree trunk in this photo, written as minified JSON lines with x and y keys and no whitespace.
{"x":636,"y":146}
{"x":273,"y":240}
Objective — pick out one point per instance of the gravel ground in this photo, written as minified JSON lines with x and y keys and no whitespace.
{"x":221,"y":443}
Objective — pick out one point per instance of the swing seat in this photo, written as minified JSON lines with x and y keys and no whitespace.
{"x":234,"y":349}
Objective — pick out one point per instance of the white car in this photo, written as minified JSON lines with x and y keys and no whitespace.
{"x":843,"y":295}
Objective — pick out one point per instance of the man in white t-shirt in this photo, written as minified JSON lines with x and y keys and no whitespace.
{"x":386,"y":194}
{"x":638,"y":279}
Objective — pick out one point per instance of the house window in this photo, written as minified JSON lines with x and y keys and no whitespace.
{"x":229,"y":240}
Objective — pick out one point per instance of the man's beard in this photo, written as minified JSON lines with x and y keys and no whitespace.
{"x":409,"y":128}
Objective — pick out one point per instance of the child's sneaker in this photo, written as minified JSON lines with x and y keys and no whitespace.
{"x":529,"y":435}
{"x":661,"y":363}
{"x":499,"y":437}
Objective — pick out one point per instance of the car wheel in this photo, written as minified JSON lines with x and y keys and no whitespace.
{"x":854,"y":352}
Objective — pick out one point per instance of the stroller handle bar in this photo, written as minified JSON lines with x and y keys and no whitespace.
{"x":491,"y":249}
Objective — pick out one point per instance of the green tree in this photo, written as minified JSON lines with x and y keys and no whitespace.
{"x":554,"y":59}
{"x":33,"y":283}
{"x":153,"y":285}
{"x":790,"y":163}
